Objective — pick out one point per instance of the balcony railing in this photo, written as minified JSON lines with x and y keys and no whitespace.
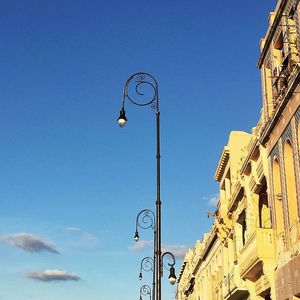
{"x":282,"y":80}
{"x":262,"y":284}
{"x":258,"y":248}
{"x":228,"y":284}
{"x":233,"y":286}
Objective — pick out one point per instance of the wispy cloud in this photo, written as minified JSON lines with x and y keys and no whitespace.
{"x":81,"y":238}
{"x":88,"y":237}
{"x":212,"y":199}
{"x":141,"y":245}
{"x":29,"y":242}
{"x":52,"y":275}
{"x":71,"y":228}
{"x":178,"y":251}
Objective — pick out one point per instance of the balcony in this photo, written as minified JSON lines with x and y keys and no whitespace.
{"x":228,"y":284}
{"x":281,"y":81}
{"x":261,"y":285}
{"x":233,"y":287}
{"x":258,"y":248}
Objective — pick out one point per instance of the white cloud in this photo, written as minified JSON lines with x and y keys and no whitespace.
{"x":211,"y":200}
{"x":29,"y":242}
{"x":141,"y":245}
{"x":71,"y":228}
{"x":81,"y":238}
{"x":178,"y":251}
{"x":88,"y":237}
{"x":52,"y":275}
{"x":85,"y":241}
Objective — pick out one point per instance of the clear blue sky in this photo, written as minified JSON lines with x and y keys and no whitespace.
{"x":71,"y":181}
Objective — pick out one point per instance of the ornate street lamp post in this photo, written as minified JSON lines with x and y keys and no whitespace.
{"x":146,"y":80}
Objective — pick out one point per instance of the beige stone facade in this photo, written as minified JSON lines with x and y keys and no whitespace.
{"x":281,"y":109}
{"x":253,"y":248}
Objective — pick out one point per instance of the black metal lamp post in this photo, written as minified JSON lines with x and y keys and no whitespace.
{"x":143,"y":79}
{"x":145,"y":290}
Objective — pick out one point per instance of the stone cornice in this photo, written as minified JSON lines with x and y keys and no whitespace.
{"x":222,"y":164}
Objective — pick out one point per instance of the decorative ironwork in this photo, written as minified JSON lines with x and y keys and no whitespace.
{"x":168,"y":265}
{"x":143,"y":96}
{"x":147,"y":264}
{"x":145,"y":88}
{"x":144,"y":291}
{"x":145,"y":219}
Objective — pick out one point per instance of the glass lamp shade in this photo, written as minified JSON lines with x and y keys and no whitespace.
{"x":172,"y":280}
{"x":122,"y":118}
{"x":121,"y":122}
{"x":172,"y":276}
{"x":136,"y":236}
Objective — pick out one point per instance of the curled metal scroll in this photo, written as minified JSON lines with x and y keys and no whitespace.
{"x":147,"y":264}
{"x":145,"y":219}
{"x":168,"y":265}
{"x":137,"y":84}
{"x":145,"y":290}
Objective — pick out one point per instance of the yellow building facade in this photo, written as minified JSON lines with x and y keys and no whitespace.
{"x":253,"y":248}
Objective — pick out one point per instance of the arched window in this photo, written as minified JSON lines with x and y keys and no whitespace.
{"x":290,"y":182}
{"x":278,"y":198}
